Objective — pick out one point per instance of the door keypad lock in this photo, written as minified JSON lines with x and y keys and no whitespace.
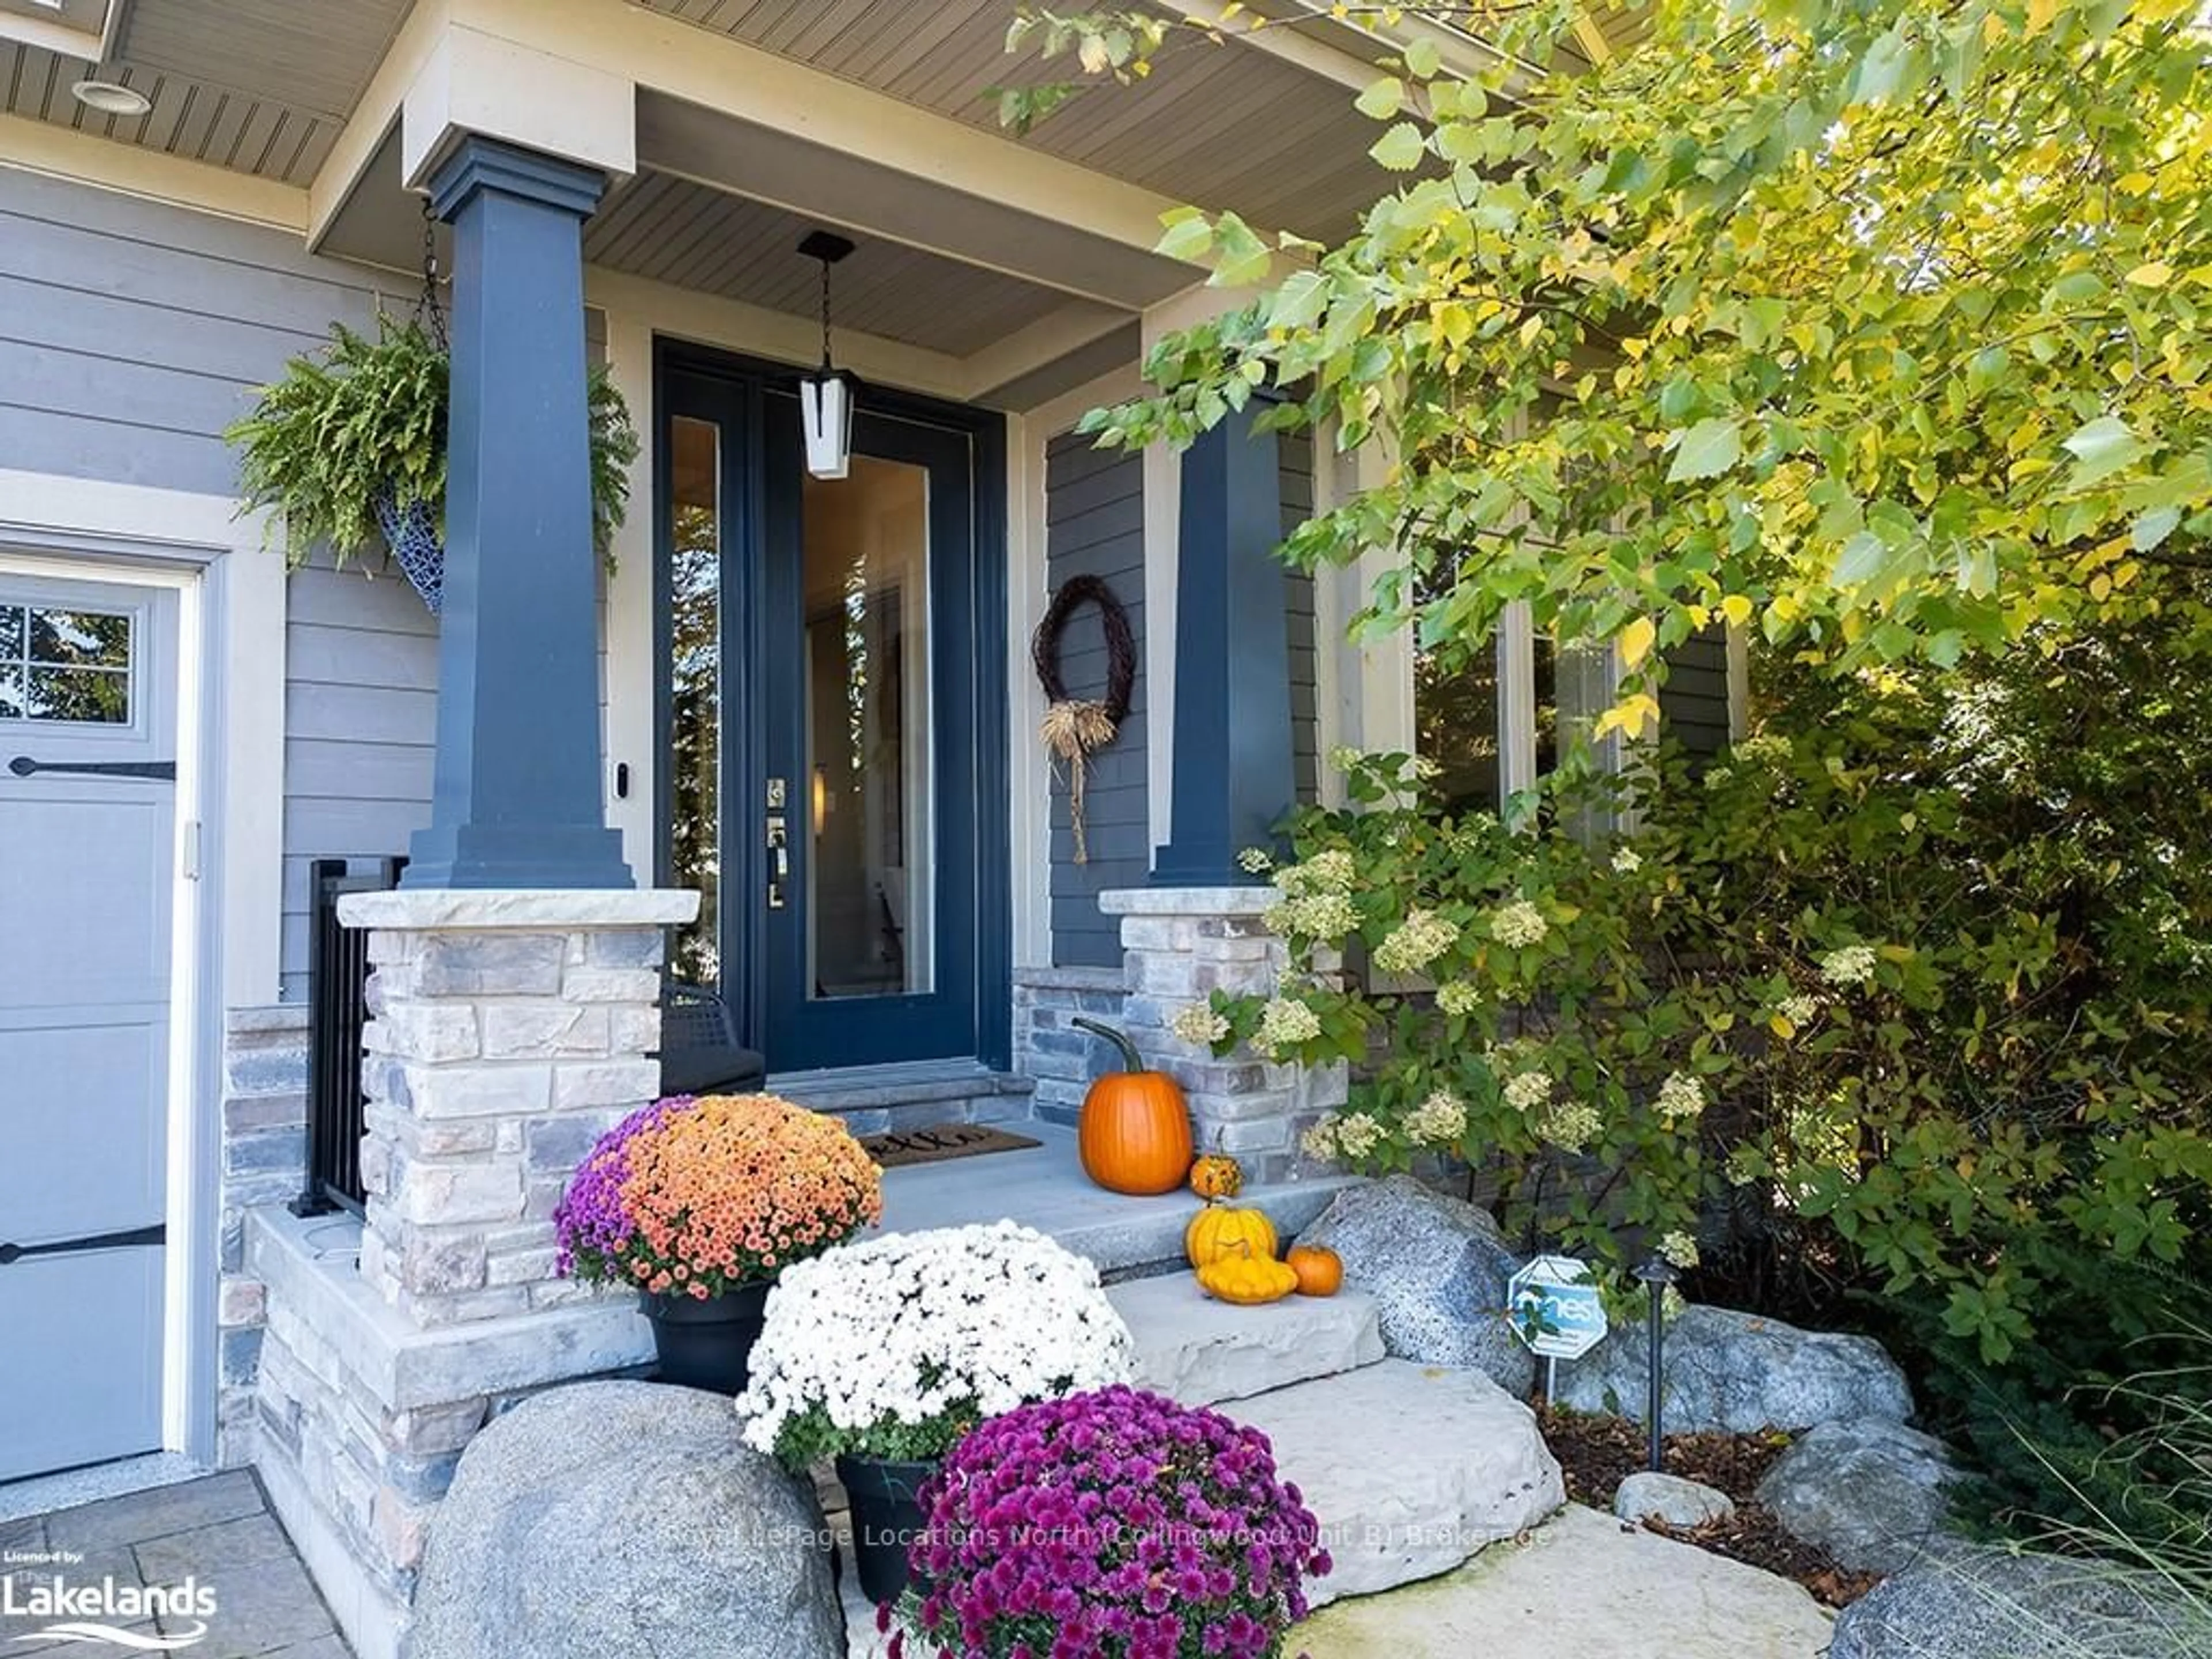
{"x":779,"y":860}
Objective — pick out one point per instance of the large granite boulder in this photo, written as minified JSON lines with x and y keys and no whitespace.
{"x":625,"y":1518}
{"x":1436,"y":1267}
{"x":1992,"y":1604}
{"x":1736,"y":1372}
{"x":1868,"y":1491}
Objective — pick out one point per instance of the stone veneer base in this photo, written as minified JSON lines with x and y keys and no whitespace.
{"x":365,"y":1414}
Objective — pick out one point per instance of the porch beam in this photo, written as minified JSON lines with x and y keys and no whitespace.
{"x":950,"y":169}
{"x":516,"y":797}
{"x":1233,"y":773}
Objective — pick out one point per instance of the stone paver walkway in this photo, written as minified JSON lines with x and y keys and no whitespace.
{"x":217,"y":1531}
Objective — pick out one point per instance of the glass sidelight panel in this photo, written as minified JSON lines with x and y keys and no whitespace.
{"x":694,"y":691}
{"x":867,"y":790}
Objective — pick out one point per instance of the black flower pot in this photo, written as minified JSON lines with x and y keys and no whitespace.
{"x":887,"y":1519}
{"x":708,"y":1345}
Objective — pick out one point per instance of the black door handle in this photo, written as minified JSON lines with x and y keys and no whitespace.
{"x":135,"y":1238}
{"x":23,"y":767}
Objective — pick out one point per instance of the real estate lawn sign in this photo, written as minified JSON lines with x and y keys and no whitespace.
{"x":1553,"y":1306}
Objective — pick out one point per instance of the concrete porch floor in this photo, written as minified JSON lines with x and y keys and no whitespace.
{"x":1045,"y":1187}
{"x":217,"y":1531}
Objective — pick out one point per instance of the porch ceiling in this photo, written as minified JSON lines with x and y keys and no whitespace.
{"x":694,"y":236}
{"x":258,"y":86}
{"x":1223,"y":126}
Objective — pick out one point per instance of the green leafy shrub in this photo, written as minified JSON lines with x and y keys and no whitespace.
{"x":1920,"y":989}
{"x":365,"y":417}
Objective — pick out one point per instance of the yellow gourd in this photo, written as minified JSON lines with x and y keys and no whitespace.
{"x":1247,"y":1280}
{"x":1220,"y":1230}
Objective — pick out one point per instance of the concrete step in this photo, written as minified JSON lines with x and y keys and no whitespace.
{"x":1201,"y":1351}
{"x":1044,"y":1187}
{"x":909,"y":1095}
{"x":1411,"y":1469}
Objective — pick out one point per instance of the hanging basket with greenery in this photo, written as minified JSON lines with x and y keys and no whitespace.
{"x":349,"y":447}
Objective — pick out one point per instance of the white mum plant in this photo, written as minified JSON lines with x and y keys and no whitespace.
{"x":897,"y":1348}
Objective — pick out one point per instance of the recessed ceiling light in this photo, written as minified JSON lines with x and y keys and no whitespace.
{"x":111,"y":98}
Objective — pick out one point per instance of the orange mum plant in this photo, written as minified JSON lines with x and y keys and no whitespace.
{"x":693,"y":1196}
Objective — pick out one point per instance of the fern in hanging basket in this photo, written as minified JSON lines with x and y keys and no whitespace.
{"x":349,"y":445}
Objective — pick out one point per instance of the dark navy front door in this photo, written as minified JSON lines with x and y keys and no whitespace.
{"x":826,"y":723}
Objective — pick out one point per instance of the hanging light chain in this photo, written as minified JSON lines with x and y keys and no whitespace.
{"x":825,"y":312}
{"x":429,"y":307}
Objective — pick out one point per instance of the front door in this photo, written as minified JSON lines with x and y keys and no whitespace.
{"x":825,"y":709}
{"x":88,"y":848}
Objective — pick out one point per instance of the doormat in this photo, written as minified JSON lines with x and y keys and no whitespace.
{"x":934,"y":1143}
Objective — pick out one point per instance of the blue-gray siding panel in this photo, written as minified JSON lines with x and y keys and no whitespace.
{"x":1296,"y":473}
{"x":131,"y":334}
{"x":1094,"y":511}
{"x":1693,"y":703}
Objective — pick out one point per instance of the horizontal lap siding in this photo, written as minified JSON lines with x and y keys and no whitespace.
{"x":1693,"y":703}
{"x":1095,"y":526}
{"x":1296,"y":473}
{"x":130,"y":335}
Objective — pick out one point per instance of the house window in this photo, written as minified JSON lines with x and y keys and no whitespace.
{"x":64,"y":666}
{"x":695,"y":701}
{"x":1494,"y":725}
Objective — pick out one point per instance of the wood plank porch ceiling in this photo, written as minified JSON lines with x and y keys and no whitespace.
{"x":1224,"y":126}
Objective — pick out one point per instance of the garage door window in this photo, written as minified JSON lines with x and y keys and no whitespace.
{"x":64,"y":666}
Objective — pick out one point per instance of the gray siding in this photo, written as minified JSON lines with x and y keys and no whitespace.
{"x":1296,"y":449}
{"x":1095,"y":515}
{"x":130,"y":335}
{"x":1693,"y":704}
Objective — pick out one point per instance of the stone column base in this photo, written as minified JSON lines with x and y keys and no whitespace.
{"x":1179,"y":946}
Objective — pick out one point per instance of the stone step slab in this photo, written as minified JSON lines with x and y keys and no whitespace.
{"x":1411,"y":1469}
{"x":1200,"y":1351}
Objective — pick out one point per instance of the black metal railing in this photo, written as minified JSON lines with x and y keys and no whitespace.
{"x":337,"y":1008}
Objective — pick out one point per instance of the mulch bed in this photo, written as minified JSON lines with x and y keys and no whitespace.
{"x":1597,"y":1453}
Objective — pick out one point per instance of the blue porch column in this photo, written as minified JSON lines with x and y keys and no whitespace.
{"x":1233,"y":775}
{"x":518,"y":799}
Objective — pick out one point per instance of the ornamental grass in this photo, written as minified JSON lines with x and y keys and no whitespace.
{"x":697,"y":1195}
{"x":1109,"y":1525}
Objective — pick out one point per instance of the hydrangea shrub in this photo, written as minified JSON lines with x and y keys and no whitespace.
{"x":1819,"y":986}
{"x":1109,"y":1525}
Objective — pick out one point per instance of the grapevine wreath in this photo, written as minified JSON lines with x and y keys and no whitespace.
{"x":1075,"y":728}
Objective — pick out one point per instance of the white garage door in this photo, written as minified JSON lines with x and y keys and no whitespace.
{"x":88,"y":747}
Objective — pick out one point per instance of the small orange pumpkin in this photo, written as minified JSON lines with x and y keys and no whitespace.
{"x":1221,"y":1230}
{"x":1216,"y":1175}
{"x":1134,"y":1134}
{"x":1320,"y":1269}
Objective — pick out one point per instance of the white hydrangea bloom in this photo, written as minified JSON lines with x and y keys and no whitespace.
{"x":1324,"y":916}
{"x":1851,"y":965}
{"x":1425,"y":767}
{"x":1415,"y":943}
{"x":1357,"y":1134}
{"x":1284,"y":1023}
{"x":905,"y":1328}
{"x":1198,"y":1024}
{"x":1255,"y":861}
{"x":1798,"y":1011}
{"x":1570,"y":1126}
{"x":1518,"y":923}
{"x":1680,"y":1249}
{"x":1526,"y":1090}
{"x":1458,"y":996}
{"x":1681,"y":1097}
{"x":1767,"y":749}
{"x":1627,"y":861}
{"x":1343,"y":757}
{"x":1329,"y":872}
{"x":1320,"y":1141}
{"x":1440,"y":1120}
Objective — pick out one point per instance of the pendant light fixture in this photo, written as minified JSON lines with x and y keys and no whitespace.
{"x":825,"y":397}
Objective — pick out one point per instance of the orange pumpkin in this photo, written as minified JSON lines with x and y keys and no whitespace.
{"x":1320,"y":1269}
{"x":1134,"y":1134}
{"x":1217,"y":1175}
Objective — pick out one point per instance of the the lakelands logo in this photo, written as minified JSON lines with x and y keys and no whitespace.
{"x":103,"y":1612}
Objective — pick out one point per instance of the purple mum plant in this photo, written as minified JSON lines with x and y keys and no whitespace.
{"x":1110,"y":1525}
